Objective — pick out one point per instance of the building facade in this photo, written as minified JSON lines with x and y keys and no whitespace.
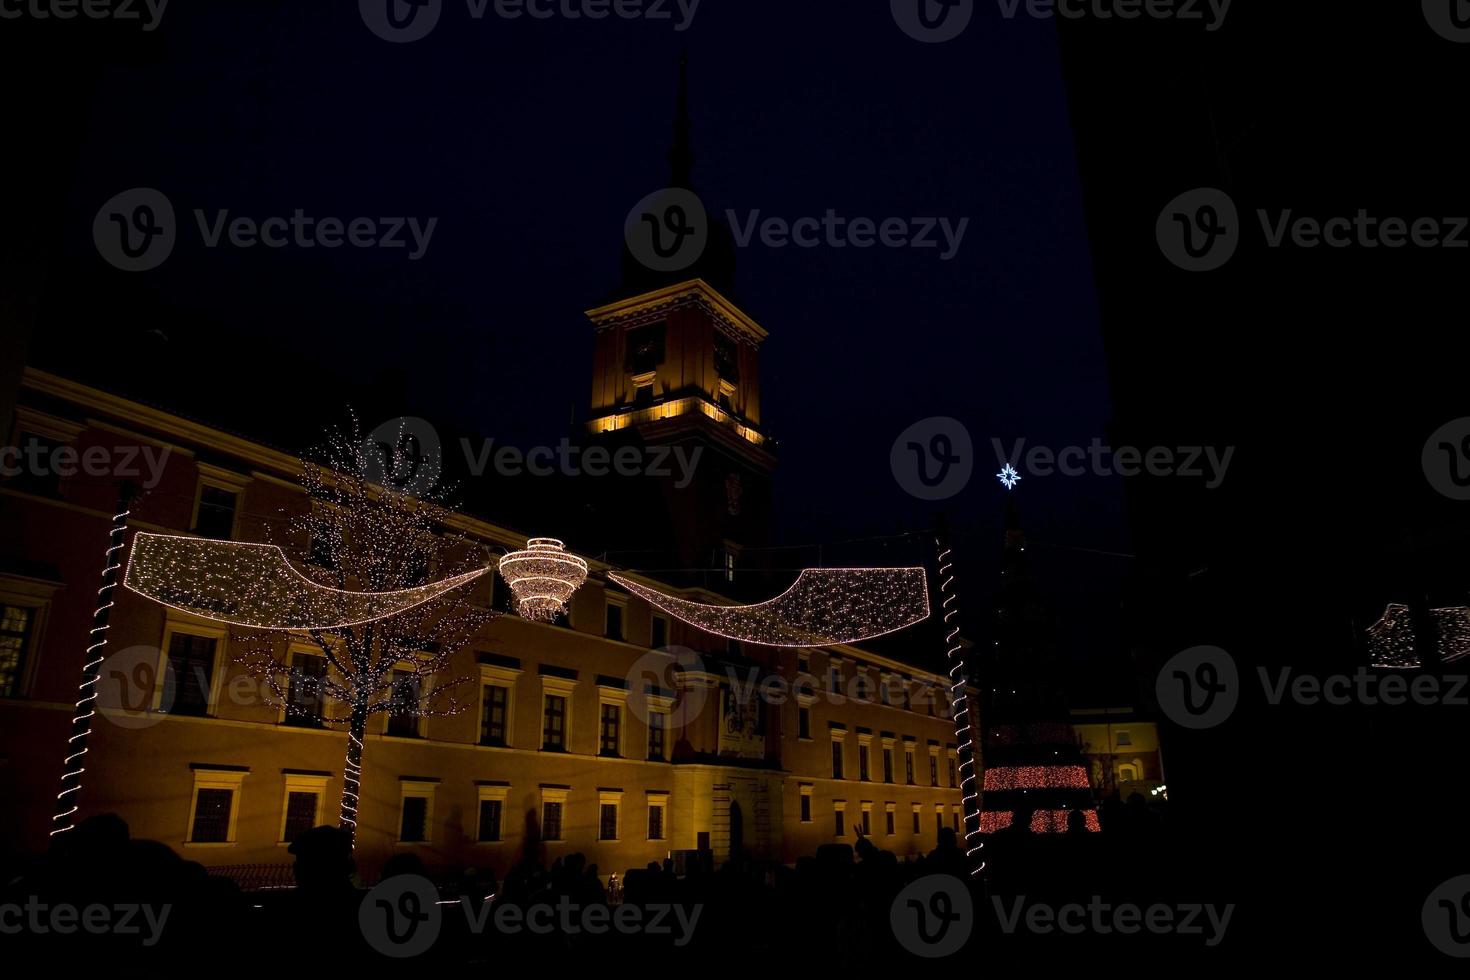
{"x":621,"y":733}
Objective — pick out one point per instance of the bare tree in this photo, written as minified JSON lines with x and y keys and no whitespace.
{"x":363,"y":532}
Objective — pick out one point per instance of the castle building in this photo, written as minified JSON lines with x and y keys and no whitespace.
{"x":568,"y":747}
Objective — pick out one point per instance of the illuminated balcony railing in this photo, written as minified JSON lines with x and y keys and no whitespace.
{"x":674,"y":409}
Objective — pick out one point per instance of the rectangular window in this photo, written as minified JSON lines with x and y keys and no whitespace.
{"x":834,"y":679}
{"x":216,"y":513}
{"x":933,"y":769}
{"x":954,"y":820}
{"x":190,"y":673}
{"x":657,"y":722}
{"x":551,"y":821}
{"x":839,"y":822}
{"x":403,"y":720}
{"x":908,"y":766}
{"x":836,"y":759}
{"x":950,"y":760}
{"x":304,"y":696}
{"x":301,"y":807}
{"x":888,"y":821}
{"x":655,"y":821}
{"x":413,"y":823}
{"x":607,"y":825}
{"x":887,"y":764}
{"x":803,"y":722}
{"x":491,"y":812}
{"x":614,"y":622}
{"x":806,"y":808}
{"x":867,"y":815}
{"x":1125,"y":738}
{"x":15,"y":639}
{"x":660,"y":637}
{"x":495,"y":706}
{"x":863,"y":763}
{"x":212,"y":816}
{"x":612,"y":724}
{"x":938,"y":820}
{"x":554,"y":730}
{"x":916,"y":818}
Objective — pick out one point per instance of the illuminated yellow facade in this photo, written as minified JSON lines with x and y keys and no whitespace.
{"x":228,"y":779}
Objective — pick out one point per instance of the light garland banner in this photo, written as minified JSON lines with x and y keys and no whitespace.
{"x":543,"y":578}
{"x":246,"y":584}
{"x":1391,"y":639}
{"x":823,"y":607}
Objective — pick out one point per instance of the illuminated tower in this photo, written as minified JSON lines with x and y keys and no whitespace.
{"x":676,"y":370}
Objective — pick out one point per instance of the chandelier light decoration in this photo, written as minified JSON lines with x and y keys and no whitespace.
{"x":823,"y":607}
{"x":543,"y":578}
{"x":246,"y":584}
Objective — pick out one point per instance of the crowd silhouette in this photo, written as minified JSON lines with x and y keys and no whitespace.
{"x":838,"y":900}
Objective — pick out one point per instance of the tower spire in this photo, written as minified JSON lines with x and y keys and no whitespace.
{"x":681,"y":153}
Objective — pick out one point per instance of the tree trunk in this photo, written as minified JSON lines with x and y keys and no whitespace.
{"x":352,"y":772}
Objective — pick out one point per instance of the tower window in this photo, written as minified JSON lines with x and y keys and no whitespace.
{"x":645,"y":348}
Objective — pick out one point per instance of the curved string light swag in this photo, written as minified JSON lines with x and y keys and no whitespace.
{"x":823,"y":607}
{"x":246,"y":584}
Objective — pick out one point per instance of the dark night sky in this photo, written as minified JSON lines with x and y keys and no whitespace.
{"x":529,"y":141}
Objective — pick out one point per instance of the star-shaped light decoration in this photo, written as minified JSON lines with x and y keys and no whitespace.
{"x":1008,"y":477}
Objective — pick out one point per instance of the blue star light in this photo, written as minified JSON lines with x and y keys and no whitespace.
{"x":1009,"y":477}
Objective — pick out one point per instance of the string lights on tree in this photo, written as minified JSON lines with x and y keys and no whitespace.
{"x":384,"y":634}
{"x":1391,"y":639}
{"x":823,"y":607}
{"x":543,"y":577}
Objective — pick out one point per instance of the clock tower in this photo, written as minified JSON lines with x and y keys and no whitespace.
{"x":676,"y":373}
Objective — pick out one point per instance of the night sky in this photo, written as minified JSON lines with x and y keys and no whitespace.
{"x":529,"y":141}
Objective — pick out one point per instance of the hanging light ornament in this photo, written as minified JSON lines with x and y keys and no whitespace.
{"x":543,"y":578}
